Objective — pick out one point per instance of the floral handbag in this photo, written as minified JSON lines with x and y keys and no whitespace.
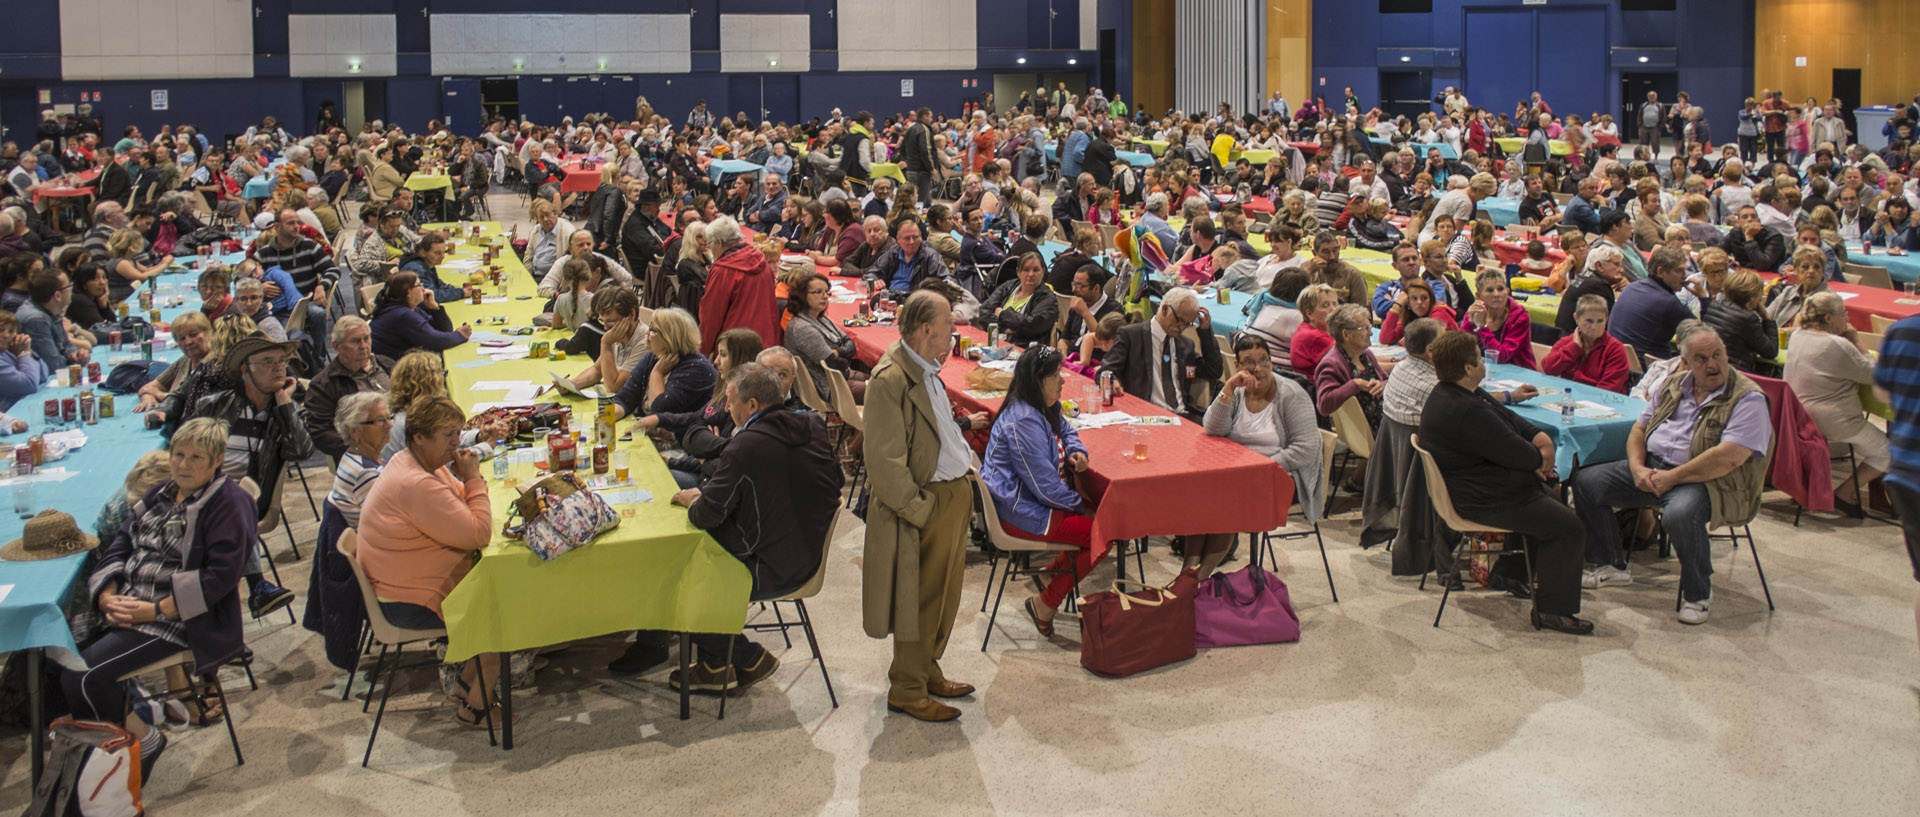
{"x":560,"y":514}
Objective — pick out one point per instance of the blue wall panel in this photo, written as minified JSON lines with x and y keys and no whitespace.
{"x":1571,"y":72}
{"x":1499,"y":56}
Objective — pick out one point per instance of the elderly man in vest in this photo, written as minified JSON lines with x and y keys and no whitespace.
{"x":1699,"y":452}
{"x":917,"y":466}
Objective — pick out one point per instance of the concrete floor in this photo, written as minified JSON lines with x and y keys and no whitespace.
{"x":1813,"y":709}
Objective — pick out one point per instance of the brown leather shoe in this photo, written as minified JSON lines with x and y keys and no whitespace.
{"x":926,"y":709}
{"x":944,"y":688}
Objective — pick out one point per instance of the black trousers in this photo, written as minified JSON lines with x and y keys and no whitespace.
{"x":1554,"y":538}
{"x":96,"y":693}
{"x":1907,"y":504}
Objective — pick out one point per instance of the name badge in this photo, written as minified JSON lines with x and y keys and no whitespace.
{"x":1191,"y":371}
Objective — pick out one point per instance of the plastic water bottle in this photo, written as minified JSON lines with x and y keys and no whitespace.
{"x":1566,"y":408}
{"x":500,"y":459}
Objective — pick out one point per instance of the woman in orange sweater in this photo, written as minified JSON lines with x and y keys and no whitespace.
{"x":423,"y":522}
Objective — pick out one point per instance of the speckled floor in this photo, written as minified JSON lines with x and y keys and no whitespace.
{"x":1813,"y":709}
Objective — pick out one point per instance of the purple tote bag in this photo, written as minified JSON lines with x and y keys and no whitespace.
{"x":1249,"y":606}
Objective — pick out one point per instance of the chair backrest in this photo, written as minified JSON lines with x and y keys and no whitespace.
{"x":1562,"y":198}
{"x":1869,"y":275}
{"x":810,"y":394}
{"x":1350,"y":422}
{"x":383,"y":631}
{"x":367,"y":294}
{"x":1871,"y":340}
{"x":298,"y":320}
{"x":1328,"y":442}
{"x":1442,"y":501}
{"x":1107,"y":231}
{"x":843,"y":404}
{"x":1540,"y":352}
{"x":1633,"y":360}
{"x":812,"y":587}
{"x":271,"y":518}
{"x":995,"y":533}
{"x":1881,"y":323}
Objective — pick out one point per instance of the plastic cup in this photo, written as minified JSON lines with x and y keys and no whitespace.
{"x":620,"y":463}
{"x":1139,"y":435}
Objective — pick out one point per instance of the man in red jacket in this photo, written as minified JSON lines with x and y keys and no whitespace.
{"x":1589,"y":354}
{"x":739,"y":288}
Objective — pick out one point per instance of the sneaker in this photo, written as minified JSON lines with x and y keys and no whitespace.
{"x":748,"y":676}
{"x":642,"y":656}
{"x":268,"y":598}
{"x":703,"y":677}
{"x":1605,"y":575}
{"x":1694,"y":612}
{"x":151,"y":755}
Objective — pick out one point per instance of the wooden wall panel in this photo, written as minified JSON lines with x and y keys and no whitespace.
{"x":1153,"y":55}
{"x":1290,"y":48}
{"x":1874,"y":36}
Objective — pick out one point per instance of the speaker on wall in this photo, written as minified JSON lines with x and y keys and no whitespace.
{"x":1646,"y":5}
{"x":1406,"y":6}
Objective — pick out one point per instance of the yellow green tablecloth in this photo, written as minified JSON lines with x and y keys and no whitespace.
{"x":427,"y":182}
{"x":889,"y":170}
{"x":1513,"y":145}
{"x":655,"y":571}
{"x":1256,"y":157}
{"x":1153,"y":146}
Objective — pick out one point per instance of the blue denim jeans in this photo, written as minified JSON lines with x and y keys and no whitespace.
{"x":1684,"y":510}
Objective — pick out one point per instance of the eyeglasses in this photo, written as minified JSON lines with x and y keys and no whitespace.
{"x":269,"y":365}
{"x":385,"y":419}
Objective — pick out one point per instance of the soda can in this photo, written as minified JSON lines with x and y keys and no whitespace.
{"x":124,"y":309}
{"x":93,"y":371}
{"x":153,"y":315}
{"x":69,"y":409}
{"x":87,"y":413}
{"x":74,"y":372}
{"x":38,"y":444}
{"x":53,"y":410}
{"x":113,"y":338}
{"x":600,"y":459}
{"x":106,"y":405}
{"x":23,"y":459}
{"x":146,"y":299}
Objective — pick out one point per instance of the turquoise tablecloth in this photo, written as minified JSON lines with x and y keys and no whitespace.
{"x":1504,"y":212}
{"x":1591,"y":440}
{"x":1902,"y":268}
{"x":32,"y":615}
{"x":722,"y":167}
{"x":1134,"y":158}
{"x":1446,"y":150}
{"x":113,"y":444}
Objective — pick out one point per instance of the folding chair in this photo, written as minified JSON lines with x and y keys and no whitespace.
{"x":1869,"y":275}
{"x":1350,"y":423}
{"x":1015,"y":547}
{"x":184,"y":660}
{"x":849,"y":412}
{"x":267,"y":521}
{"x":805,"y":622}
{"x":1443,"y":505}
{"x":1328,"y":441}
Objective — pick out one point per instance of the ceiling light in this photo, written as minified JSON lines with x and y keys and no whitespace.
{"x":771,"y":63}
{"x":1072,"y":61}
{"x":1022,"y":60}
{"x":1643,"y":59}
{"x":1405,"y":58}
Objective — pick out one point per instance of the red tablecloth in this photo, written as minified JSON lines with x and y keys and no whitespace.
{"x":581,"y":178}
{"x":1190,"y":483}
{"x":1308,"y":148}
{"x":83,"y":178}
{"x":1863,"y":302}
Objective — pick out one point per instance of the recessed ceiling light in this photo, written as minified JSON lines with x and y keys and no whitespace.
{"x":1405,"y":58}
{"x":1643,"y":59}
{"x":1073,"y":61}
{"x":1022,"y":60}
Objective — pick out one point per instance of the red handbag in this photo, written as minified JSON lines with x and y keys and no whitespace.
{"x":1127,"y":633}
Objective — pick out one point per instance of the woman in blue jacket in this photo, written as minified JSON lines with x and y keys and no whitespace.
{"x":407,"y":317}
{"x":1029,"y":449}
{"x":672,"y":376}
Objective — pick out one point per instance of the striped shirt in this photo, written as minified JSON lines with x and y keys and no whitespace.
{"x":351,"y":482}
{"x":1899,"y":373}
{"x":159,"y":531}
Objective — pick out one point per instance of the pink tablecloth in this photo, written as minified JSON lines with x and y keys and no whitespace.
{"x":1863,"y":302}
{"x":1190,"y":483}
{"x":581,"y":178}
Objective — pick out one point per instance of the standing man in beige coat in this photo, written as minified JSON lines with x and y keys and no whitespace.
{"x":917,"y":464}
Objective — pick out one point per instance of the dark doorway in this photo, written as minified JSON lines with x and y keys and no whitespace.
{"x":500,"y":97}
{"x":374,"y":99}
{"x":1110,"y":61}
{"x":1846,"y":88}
{"x":1633,"y":93}
{"x":1406,"y":93}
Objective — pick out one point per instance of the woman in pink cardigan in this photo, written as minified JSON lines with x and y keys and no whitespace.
{"x":1500,"y":321}
{"x":422,"y":524}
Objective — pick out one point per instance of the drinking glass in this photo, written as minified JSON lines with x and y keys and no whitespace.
{"x":1909,"y":287}
{"x":23,"y":498}
{"x":620,"y":462}
{"x":1139,"y":439}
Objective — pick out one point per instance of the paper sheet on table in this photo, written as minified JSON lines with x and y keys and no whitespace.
{"x":4,"y":590}
{"x":500,"y":385}
{"x":1846,"y":296}
{"x":525,"y":393}
{"x":474,"y":364}
{"x":511,"y":349}
{"x":45,"y":474}
{"x":628,"y":496}
{"x":999,"y":365}
{"x":489,"y":338}
{"x":497,"y":299}
{"x":1101,"y":420}
{"x":73,"y":439}
{"x":1500,"y":385}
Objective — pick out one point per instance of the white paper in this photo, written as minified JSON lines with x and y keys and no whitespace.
{"x":46,"y":474}
{"x":1846,"y":296}
{"x":1102,"y":420}
{"x":630,"y":496}
{"x":523,"y":394}
{"x":1500,"y":385}
{"x":1000,"y":365}
{"x":72,"y":439}
{"x":489,"y":338}
{"x":500,"y":385}
{"x":517,"y":349}
{"x":498,"y":299}
{"x":4,"y":590}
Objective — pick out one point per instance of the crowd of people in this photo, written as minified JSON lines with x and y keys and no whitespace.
{"x":329,"y":335}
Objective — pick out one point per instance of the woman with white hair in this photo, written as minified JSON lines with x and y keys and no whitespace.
{"x":739,"y":290}
{"x":1826,"y":365}
{"x":365,"y":422}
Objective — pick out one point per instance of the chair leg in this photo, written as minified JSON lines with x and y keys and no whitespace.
{"x":1446,"y":588}
{"x":353,"y":669}
{"x":386,"y":692}
{"x":311,"y":505}
{"x":728,"y":670}
{"x":233,"y":737}
{"x":251,"y":684}
{"x":1756,"y":565}
{"x":993,"y":561}
{"x":1325,"y":563}
{"x":378,"y":664}
{"x":267,"y":554}
{"x":806,"y":625}
{"x":1000,"y":596}
{"x":783,"y":625}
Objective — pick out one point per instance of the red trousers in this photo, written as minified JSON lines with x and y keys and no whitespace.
{"x":1067,"y":529}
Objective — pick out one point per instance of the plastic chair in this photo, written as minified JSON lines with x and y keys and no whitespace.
{"x":388,"y":635}
{"x":1328,"y":441}
{"x":849,"y":412}
{"x":1014,"y":546}
{"x":184,"y":659}
{"x":267,"y":522}
{"x":1350,"y":423}
{"x":803,"y":386}
{"x":1634,"y":366}
{"x":1540,"y":352}
{"x":799,"y":600}
{"x":1869,"y":275}
{"x":1443,"y":506}
{"x":1881,"y":323}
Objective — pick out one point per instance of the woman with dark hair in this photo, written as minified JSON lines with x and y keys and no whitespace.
{"x":816,"y":340}
{"x":1414,"y":302}
{"x":406,"y":317}
{"x":90,"y":305}
{"x":1274,"y":417}
{"x":1028,"y":450}
{"x":1025,"y":308}
{"x":1497,"y":467}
